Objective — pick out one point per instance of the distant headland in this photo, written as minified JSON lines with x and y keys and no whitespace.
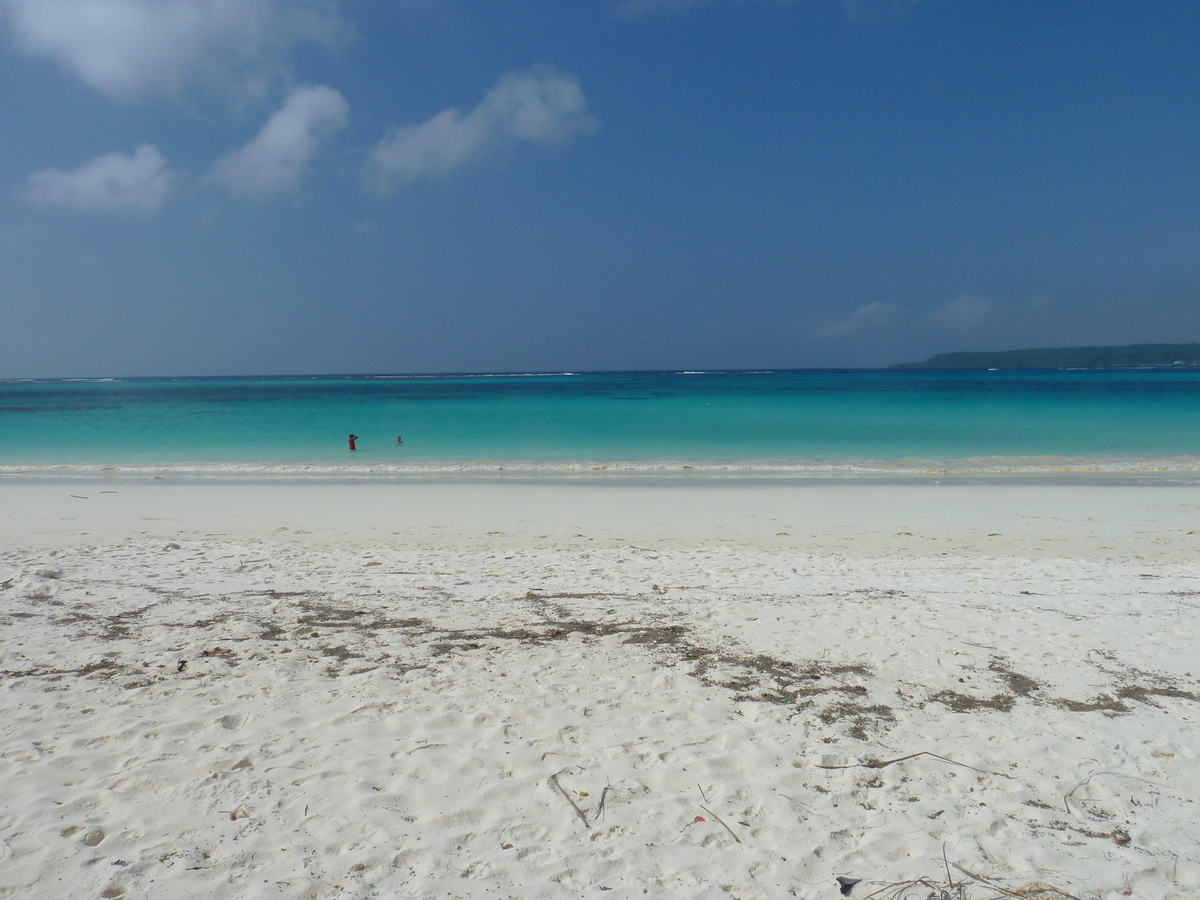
{"x":1065,"y":358}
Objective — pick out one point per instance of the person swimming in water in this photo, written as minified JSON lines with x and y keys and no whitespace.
{"x":399,"y":440}
{"x":353,"y":438}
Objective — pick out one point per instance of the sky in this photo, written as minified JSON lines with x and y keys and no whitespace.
{"x":252,"y":187}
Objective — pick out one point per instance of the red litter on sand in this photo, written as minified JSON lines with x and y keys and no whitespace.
{"x":698,"y":819}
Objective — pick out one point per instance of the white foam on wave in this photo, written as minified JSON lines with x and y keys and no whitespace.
{"x":987,"y":468}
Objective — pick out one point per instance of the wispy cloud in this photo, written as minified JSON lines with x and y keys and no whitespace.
{"x":274,"y":160}
{"x":965,"y":312}
{"x":866,"y":11}
{"x":127,"y":48}
{"x":866,"y":316}
{"x":117,"y":182}
{"x":539,"y":106}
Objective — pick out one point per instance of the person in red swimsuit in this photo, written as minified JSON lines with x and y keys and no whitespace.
{"x":353,"y":438}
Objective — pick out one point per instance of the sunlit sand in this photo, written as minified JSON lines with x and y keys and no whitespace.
{"x":552,"y":690}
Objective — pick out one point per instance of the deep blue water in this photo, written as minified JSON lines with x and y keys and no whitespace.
{"x":815,"y":418}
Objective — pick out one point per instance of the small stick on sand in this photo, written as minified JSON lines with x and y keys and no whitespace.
{"x":1067,"y":796}
{"x":1002,"y":890}
{"x":701,"y":790}
{"x":579,"y":812}
{"x":723,"y":825}
{"x":424,"y":747}
{"x":600,"y":805}
{"x":880,"y":763}
{"x":896,"y":890}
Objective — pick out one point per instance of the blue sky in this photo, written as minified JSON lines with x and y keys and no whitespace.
{"x":301,"y":186}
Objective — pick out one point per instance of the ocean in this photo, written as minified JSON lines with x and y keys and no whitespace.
{"x":1135,"y":424}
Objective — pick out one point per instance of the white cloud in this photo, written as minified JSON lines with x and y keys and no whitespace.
{"x":274,"y":160}
{"x":867,"y":11}
{"x":125,"y":48}
{"x":114,"y":183}
{"x":867,"y":315}
{"x":964,"y":312}
{"x":538,"y":106}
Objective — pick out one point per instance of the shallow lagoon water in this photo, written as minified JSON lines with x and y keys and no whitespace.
{"x":813,"y":423}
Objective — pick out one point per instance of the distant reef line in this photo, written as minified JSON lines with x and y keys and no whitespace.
{"x":1158,"y":355}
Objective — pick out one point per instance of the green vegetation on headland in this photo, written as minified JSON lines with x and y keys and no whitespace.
{"x":1065,"y":358}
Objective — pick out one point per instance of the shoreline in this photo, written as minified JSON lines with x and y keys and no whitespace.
{"x":326,"y":691}
{"x":1019,"y":469}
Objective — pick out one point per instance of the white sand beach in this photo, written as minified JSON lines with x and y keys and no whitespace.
{"x":694,"y":690}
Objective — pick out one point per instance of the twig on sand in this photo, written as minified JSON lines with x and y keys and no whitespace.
{"x":1041,"y":888}
{"x":715,"y":816}
{"x":1067,"y":796}
{"x":600,"y":805}
{"x":579,"y":812}
{"x":723,"y":825}
{"x":424,"y":747}
{"x":796,"y":804}
{"x":899,"y":890}
{"x":952,"y":890}
{"x":880,"y":763}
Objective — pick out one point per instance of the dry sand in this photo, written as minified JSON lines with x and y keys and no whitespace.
{"x":557,"y":690}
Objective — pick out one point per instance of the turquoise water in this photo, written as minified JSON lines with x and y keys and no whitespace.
{"x":798,"y":421}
